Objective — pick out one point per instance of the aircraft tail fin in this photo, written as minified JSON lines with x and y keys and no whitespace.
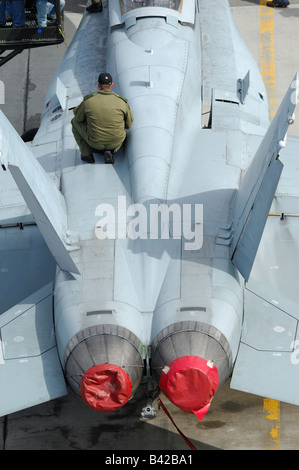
{"x":42,"y":196}
{"x":258,"y":186}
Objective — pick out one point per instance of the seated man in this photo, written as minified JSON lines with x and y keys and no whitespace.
{"x":100,"y":121}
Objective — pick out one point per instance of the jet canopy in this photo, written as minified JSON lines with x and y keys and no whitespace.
{"x":127,"y":5}
{"x":129,"y":11}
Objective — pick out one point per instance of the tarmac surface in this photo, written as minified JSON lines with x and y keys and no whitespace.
{"x":236,"y":420}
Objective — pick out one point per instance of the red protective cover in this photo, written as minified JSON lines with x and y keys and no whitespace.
{"x":190,"y":382}
{"x":105,"y":387}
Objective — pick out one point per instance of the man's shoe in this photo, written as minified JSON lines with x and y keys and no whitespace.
{"x":277,"y":4}
{"x":95,"y":8}
{"x":108,"y":155}
{"x":88,"y":158}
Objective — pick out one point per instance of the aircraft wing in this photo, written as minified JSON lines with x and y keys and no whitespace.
{"x":267,"y":363}
{"x":30,"y":372}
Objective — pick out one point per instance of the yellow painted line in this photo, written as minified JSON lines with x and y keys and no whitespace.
{"x":271,"y":412}
{"x":271,"y":408}
{"x":267,"y":53}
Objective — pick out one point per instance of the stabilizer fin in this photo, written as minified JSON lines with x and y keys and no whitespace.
{"x":30,"y":371}
{"x":43,"y":198}
{"x":267,"y":359}
{"x":258,"y":186}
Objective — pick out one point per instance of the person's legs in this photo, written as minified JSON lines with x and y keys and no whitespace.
{"x":81,"y":137}
{"x":51,"y":10}
{"x":2,"y":13}
{"x":87,"y":147}
{"x":41,"y":6}
{"x":18,"y":13}
{"x":8,"y":11}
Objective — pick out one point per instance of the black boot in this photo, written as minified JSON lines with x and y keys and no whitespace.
{"x":108,"y":155}
{"x":277,"y":4}
{"x":95,"y":8}
{"x":88,"y":158}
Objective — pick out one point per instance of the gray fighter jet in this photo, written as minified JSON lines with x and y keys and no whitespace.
{"x":176,"y":265}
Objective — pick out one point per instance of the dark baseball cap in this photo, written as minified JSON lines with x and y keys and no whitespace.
{"x":105,"y":79}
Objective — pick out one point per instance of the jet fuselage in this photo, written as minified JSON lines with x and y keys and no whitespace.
{"x":198,"y":119}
